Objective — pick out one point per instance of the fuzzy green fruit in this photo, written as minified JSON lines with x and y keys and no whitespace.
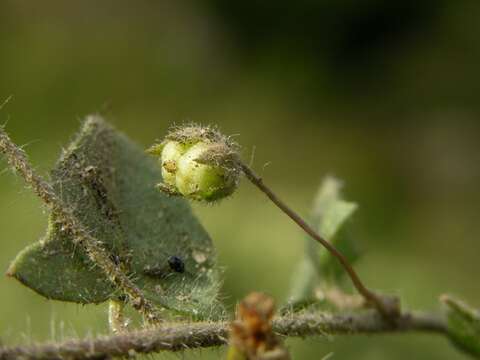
{"x":170,"y":156}
{"x":198,"y":162}
{"x":202,"y":181}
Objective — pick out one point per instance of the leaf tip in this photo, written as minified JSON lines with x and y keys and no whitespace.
{"x":10,"y":271}
{"x":463,"y":325}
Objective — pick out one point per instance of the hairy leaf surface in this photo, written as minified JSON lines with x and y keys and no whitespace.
{"x":109,"y":183}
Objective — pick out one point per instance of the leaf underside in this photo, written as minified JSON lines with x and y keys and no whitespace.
{"x":318,"y":267}
{"x":109,"y":183}
{"x":330,"y":213}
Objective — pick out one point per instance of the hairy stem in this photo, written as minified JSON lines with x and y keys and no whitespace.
{"x":182,"y":336}
{"x":116,"y":318}
{"x":17,"y":159}
{"x":387,"y":306}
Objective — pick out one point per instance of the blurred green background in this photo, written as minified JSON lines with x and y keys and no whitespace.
{"x":383,"y":94}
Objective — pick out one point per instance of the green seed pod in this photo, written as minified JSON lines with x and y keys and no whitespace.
{"x":203,"y":181}
{"x":199,"y":163}
{"x":170,"y":156}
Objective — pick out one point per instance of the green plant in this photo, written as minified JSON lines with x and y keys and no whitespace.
{"x":117,"y":238}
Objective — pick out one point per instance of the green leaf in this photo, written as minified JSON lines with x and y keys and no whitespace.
{"x":463,"y":326}
{"x":109,"y":183}
{"x":318,"y":268}
{"x":330,"y":212}
{"x":304,"y":281}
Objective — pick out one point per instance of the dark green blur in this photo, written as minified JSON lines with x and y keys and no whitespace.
{"x":383,"y":94}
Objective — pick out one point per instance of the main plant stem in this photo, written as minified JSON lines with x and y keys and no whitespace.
{"x":181,"y":336}
{"x":387,"y":306}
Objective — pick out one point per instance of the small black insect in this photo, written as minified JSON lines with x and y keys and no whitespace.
{"x":176,"y":264}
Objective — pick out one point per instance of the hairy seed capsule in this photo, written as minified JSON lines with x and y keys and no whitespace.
{"x":202,"y":181}
{"x":171,"y":153}
{"x":198,"y":163}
